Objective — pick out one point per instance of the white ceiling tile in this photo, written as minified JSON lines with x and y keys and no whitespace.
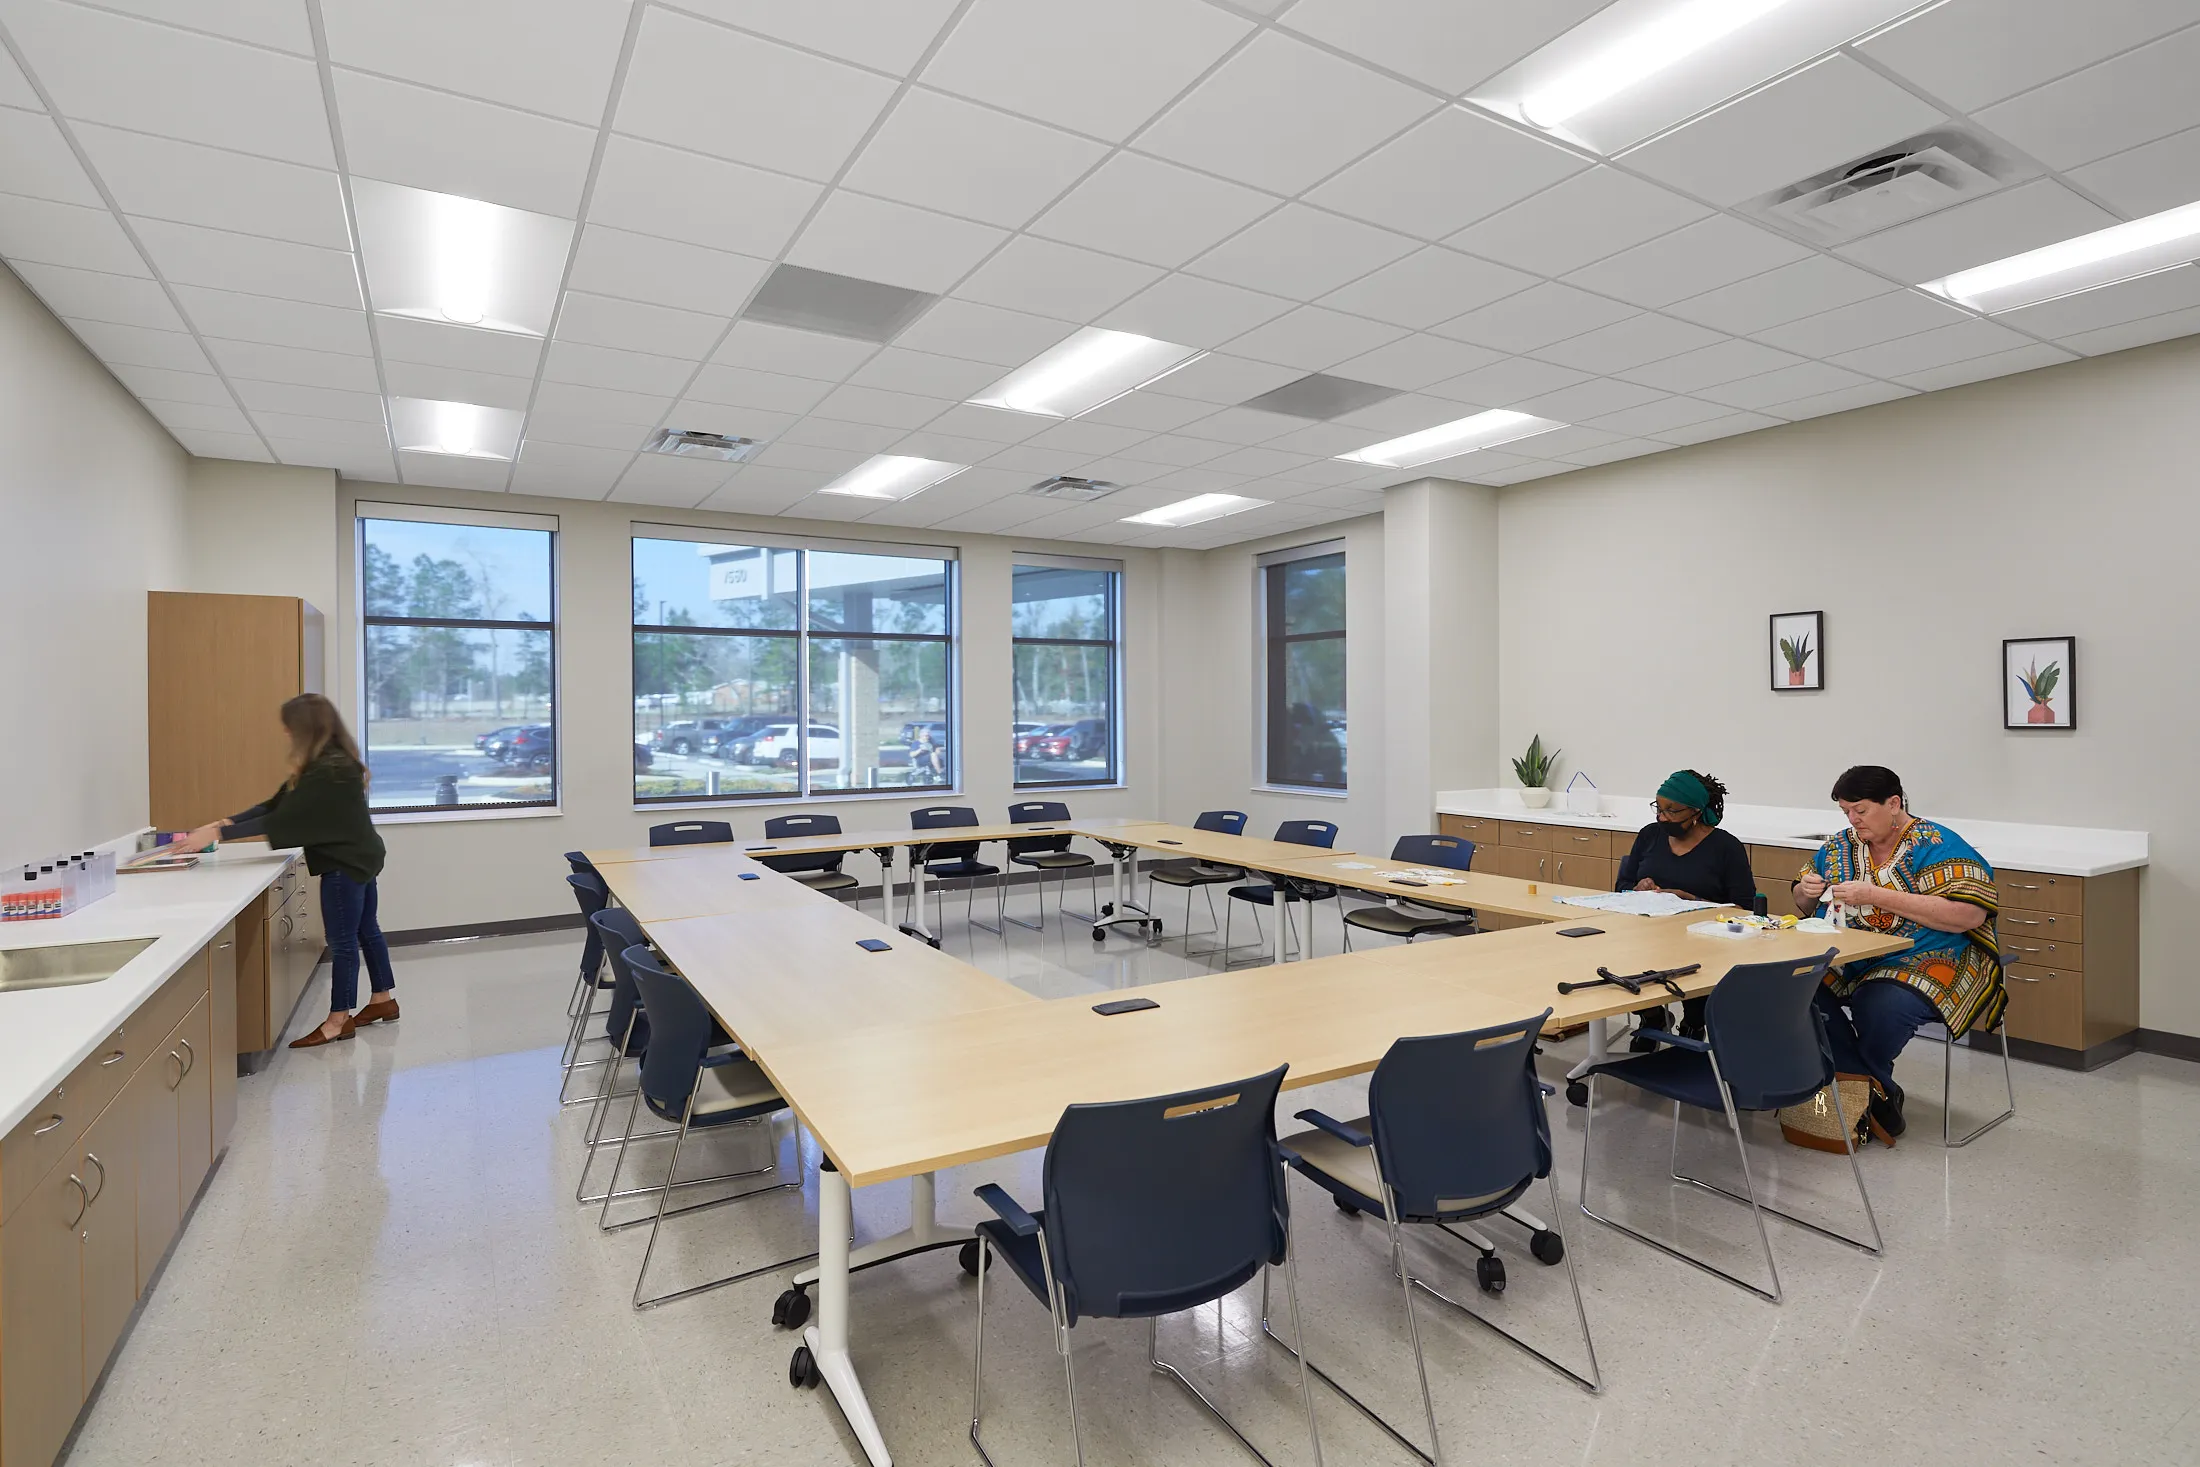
{"x":1722,"y":427}
{"x":1256,"y":461}
{"x":256,"y":360}
{"x":1444,"y":44}
{"x":656,"y":478}
{"x":1313,"y":338}
{"x":244,"y":447}
{"x":166,"y":179}
{"x":877,"y":406}
{"x":924,"y":443}
{"x":789,"y":111}
{"x":1101,"y":69}
{"x":1408,"y":412}
{"x":1431,"y":285}
{"x":141,"y":346}
{"x":1323,"y":441}
{"x":367,"y":465}
{"x":1597,"y":398}
{"x":621,"y":371}
{"x":665,"y":272}
{"x":221,"y":418}
{"x":957,"y":328}
{"x":2137,"y":97}
{"x":1176,"y":450}
{"x":188,"y":254}
{"x":1220,"y":377}
{"x":874,"y":239}
{"x":781,"y":455}
{"x":15,"y":88}
{"x":1239,"y":425}
{"x":925,"y":374}
{"x":456,"y":384}
{"x":1059,"y":280}
{"x":1928,"y":349}
{"x":449,"y":471}
{"x":1708,"y":366}
{"x":2008,"y":223}
{"x":1847,"y":399}
{"x":948,"y":154}
{"x":1969,"y":53}
{"x":339,"y":432}
{"x":1560,"y":443}
{"x":1251,"y":120}
{"x":1659,"y":418}
{"x":1036,"y":462}
{"x":1416,"y":362}
{"x":1979,"y":369}
{"x":1196,"y":312}
{"x":1786,"y":385}
{"x":1198,"y":481}
{"x":566,"y":470}
{"x":1692,"y":259}
{"x":694,"y":416}
{"x":600,"y":320}
{"x":1614,"y":452}
{"x":2160,"y":175}
{"x":992,"y":519}
{"x":1502,"y":384}
{"x":1807,"y":121}
{"x":1579,"y":220}
{"x":745,"y":387}
{"x":102,"y":67}
{"x":2135,"y":333}
{"x":1086,"y":438}
{"x":507,"y":51}
{"x":1804,"y":288}
{"x":1525,"y":472}
{"x":280,"y":24}
{"x":42,"y":232}
{"x":583,"y":432}
{"x":994,"y":425}
{"x":1153,"y":411}
{"x":312,"y":402}
{"x":455,"y":145}
{"x":1629,"y":343}
{"x":831,"y":433}
{"x":2112,"y":305}
{"x":767,"y":348}
{"x":1152,"y":211}
{"x":767,"y":492}
{"x":1863,"y":323}
{"x":466,"y":348}
{"x":890,"y":35}
{"x":88,"y":295}
{"x":1301,"y":253}
{"x":657,"y":190}
{"x":35,"y":161}
{"x":1413,"y":184}
{"x":556,"y":400}
{"x":203,"y":388}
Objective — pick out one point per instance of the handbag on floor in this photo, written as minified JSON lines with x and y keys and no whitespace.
{"x":1816,"y":1124}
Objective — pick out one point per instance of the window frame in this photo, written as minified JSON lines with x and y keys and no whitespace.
{"x":362,"y":512}
{"x":1275,"y":645}
{"x":1113,"y":569}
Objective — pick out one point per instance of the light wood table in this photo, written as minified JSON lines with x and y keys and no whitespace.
{"x":1124,"y":839}
{"x":1476,"y":890}
{"x":712,"y":880}
{"x":883,"y":844}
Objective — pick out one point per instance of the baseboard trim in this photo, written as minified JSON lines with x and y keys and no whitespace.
{"x":2033,"y":1052}
{"x":2176,"y":1046}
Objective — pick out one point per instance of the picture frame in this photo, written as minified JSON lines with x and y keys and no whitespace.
{"x":2039,"y":683}
{"x":1797,"y":651}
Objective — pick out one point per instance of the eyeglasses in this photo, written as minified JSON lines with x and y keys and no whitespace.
{"x":1667,"y":807}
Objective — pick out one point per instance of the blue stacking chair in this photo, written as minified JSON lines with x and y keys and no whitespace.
{"x":957,"y":858}
{"x":1152,"y":1207}
{"x":820,"y":870}
{"x":1319,"y":833}
{"x":691,"y":833}
{"x":685,"y":1079}
{"x":1199,"y":875}
{"x":1455,"y":1131}
{"x":1044,"y":853}
{"x":1402,"y":916}
{"x":591,"y":945}
{"x":1766,"y":1047}
{"x":616,"y":929}
{"x":593,"y":896}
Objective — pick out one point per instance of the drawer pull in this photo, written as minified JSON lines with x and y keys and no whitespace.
{"x":223,"y":946}
{"x":114,"y":1059}
{"x":83,"y":1205}
{"x":2022,"y":979}
{"x":95,"y":1161}
{"x":52,"y":1124}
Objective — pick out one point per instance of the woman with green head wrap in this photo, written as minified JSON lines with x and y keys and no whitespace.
{"x":1684,"y":852}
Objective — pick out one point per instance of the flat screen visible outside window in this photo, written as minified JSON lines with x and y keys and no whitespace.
{"x":766,"y":672}
{"x":1063,"y":622}
{"x":1303,"y":602}
{"x":460,"y":659}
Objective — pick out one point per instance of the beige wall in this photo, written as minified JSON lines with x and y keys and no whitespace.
{"x":91,"y":518}
{"x":263,"y":530}
{"x":1634,"y":600}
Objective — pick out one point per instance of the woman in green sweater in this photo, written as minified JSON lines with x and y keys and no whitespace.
{"x":323,"y":808}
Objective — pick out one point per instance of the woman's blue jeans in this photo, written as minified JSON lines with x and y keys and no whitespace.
{"x":1880,"y":1017}
{"x":347,"y":912}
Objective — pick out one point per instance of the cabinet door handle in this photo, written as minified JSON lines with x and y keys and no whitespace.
{"x":84,"y":1205}
{"x":181,"y":1070}
{"x":95,"y":1161}
{"x":191,"y":1059}
{"x":53,"y":1123}
{"x":223,"y":946}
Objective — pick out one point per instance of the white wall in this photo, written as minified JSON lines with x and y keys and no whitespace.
{"x":1634,"y":601}
{"x":263,"y":530}
{"x":91,"y":518}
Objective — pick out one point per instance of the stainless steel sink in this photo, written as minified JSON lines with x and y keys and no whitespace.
{"x":1821,"y":836}
{"x":65,"y":963}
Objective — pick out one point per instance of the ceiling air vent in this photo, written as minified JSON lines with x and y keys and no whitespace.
{"x":838,"y":305}
{"x":681,"y":444}
{"x":1321,"y":396}
{"x":1893,"y":185}
{"x":1076,"y":491}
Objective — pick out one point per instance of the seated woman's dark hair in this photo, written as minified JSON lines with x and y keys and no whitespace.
{"x":1868,"y":782}
{"x":1716,"y":806}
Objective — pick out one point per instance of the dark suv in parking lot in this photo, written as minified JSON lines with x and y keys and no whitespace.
{"x":689,"y":736}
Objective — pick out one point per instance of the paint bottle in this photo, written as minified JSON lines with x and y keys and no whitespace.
{"x":18,"y":901}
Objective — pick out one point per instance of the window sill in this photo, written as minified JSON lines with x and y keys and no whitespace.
{"x":775,"y":802}
{"x":1300,"y":789}
{"x":465,"y":813}
{"x":1071,"y":784}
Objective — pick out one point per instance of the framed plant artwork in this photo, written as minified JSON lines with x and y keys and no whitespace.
{"x":2039,"y":682}
{"x":1798,"y":651}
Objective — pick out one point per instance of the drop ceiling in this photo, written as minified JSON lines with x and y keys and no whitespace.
{"x":1294,"y":188}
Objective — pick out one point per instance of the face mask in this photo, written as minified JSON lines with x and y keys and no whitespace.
{"x":1676,"y":829}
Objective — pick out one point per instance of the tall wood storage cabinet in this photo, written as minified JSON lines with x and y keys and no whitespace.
{"x":219,"y":668}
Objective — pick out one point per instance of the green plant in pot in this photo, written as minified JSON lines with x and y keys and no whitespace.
{"x":1795,"y":651}
{"x":1533,"y":769}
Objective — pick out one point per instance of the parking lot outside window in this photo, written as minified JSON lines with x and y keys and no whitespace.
{"x":1065,"y":643}
{"x":1303,"y":607}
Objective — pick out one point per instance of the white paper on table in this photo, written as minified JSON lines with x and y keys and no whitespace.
{"x":1433,"y":878}
{"x":1639,"y":903}
{"x":1353,"y":865}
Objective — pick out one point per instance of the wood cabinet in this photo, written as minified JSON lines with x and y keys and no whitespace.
{"x":191,"y":1048}
{"x":278,"y":945}
{"x":42,"y":1318}
{"x":148,"y":1107}
{"x":2071,"y":946}
{"x":221,"y":1024}
{"x":219,"y":667}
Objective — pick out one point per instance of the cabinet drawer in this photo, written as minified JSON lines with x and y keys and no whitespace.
{"x":166,"y":1008}
{"x":1527,"y":835}
{"x":2031,"y":925}
{"x":2041,"y":893}
{"x":1593,"y":872}
{"x":2042,"y":952}
{"x":1568,"y":841}
{"x":1777,"y":863}
{"x":2047,"y":1005}
{"x":58,"y":1121}
{"x":1480,"y":830}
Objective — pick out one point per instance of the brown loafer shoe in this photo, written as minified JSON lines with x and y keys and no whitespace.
{"x":380,"y":1011}
{"x":318,"y":1035}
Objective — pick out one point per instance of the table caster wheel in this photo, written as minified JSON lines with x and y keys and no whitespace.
{"x":1107,"y":909}
{"x":802,"y":1371}
{"x":1547,"y":1246}
{"x":791,"y":1310}
{"x":935,"y":942}
{"x":1489,"y":1274}
{"x":1577,"y":1092}
{"x":969,"y":1257}
{"x":1099,"y":934}
{"x":1349,"y":1209}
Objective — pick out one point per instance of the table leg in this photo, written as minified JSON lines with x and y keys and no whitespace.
{"x":1597,"y":1040}
{"x":827,"y":1340}
{"x":1278,"y":913}
{"x":916,"y":898}
{"x":1121,"y":908}
{"x":885,"y":856}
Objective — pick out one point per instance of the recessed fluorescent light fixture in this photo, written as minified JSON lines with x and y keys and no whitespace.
{"x":1090,"y":368}
{"x":460,"y":429}
{"x":892,"y":476}
{"x":459,"y":261}
{"x":1638,"y":67}
{"x":2105,"y":257}
{"x":1449,"y":440}
{"x":1197,"y":510}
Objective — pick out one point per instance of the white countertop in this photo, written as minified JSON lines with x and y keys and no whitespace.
{"x":47,"y":1032}
{"x":2060,"y":850}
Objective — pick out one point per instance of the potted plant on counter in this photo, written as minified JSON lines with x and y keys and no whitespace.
{"x":1534,"y":772}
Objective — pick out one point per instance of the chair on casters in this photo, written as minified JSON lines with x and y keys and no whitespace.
{"x":1320,"y":833}
{"x":1044,"y":853}
{"x":591,"y":946}
{"x":957,"y":858}
{"x":1767,"y":1048}
{"x":1456,"y":1130}
{"x":2000,"y":1031}
{"x":819,"y":870}
{"x":1153,"y":1207}
{"x":1199,"y":875}
{"x":593,"y":896}
{"x":1401,"y":916}
{"x":691,"y":833}
{"x":685,"y":1080}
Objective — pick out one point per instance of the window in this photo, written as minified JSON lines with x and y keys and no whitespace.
{"x":1063,"y":619}
{"x":766,"y":671}
{"x":460,"y":659}
{"x":1302,"y":593}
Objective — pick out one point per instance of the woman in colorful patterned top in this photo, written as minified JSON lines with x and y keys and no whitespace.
{"x":1894,"y":873}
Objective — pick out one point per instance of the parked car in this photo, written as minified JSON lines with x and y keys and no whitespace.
{"x":1088,"y":738}
{"x":778,"y":745}
{"x":494,"y":741}
{"x":533,"y":748}
{"x":1018,"y":730}
{"x":938,"y":727}
{"x":1048,"y":742}
{"x":642,"y":757}
{"x":686,"y":736}
{"x":719,"y":742}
